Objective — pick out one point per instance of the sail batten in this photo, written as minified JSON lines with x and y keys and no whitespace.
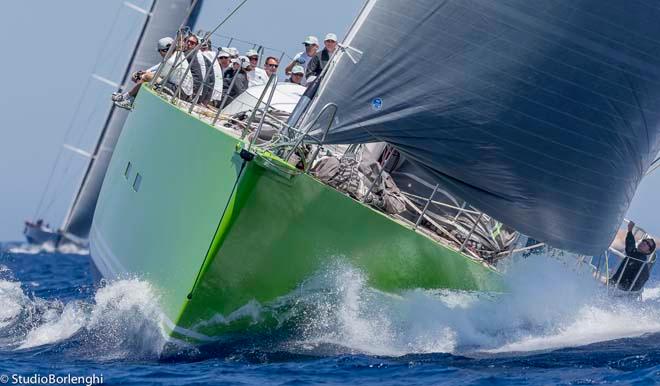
{"x":543,"y":114}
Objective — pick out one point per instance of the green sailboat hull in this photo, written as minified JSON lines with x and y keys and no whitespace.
{"x":214,"y":232}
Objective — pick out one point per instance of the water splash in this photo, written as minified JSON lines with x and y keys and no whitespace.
{"x":48,"y":247}
{"x":549,"y":305}
{"x":12,"y":299}
{"x":122,"y":320}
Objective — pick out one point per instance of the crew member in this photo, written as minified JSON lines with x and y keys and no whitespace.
{"x":321,"y":59}
{"x":256,"y":76}
{"x":297,"y":75}
{"x":303,"y":58}
{"x":634,"y":263}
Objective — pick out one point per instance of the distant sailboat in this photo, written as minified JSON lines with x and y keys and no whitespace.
{"x":162,"y":17}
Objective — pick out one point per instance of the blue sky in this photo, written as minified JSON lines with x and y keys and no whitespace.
{"x":55,"y":46}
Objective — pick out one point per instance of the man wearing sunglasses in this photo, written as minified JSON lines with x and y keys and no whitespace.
{"x":633,"y":269}
{"x":303,"y":58}
{"x":197,"y":64}
{"x":256,"y":76}
{"x":271,"y":65}
{"x":224,"y":59}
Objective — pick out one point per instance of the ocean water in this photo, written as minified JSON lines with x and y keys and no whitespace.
{"x":555,"y":326}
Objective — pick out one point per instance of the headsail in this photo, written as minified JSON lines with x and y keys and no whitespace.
{"x":163,"y":18}
{"x":543,"y":114}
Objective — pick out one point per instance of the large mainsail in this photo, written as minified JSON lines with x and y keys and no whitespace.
{"x":163,"y":18}
{"x":542,"y":113}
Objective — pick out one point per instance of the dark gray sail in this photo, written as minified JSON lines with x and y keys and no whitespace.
{"x":164,"y":18}
{"x":542,"y":113}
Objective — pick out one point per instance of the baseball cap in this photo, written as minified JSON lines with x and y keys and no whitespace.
{"x":298,"y":69}
{"x":224,"y":53}
{"x":245,"y":61}
{"x":233,"y":51}
{"x":311,"y":40}
{"x":164,"y":43}
{"x":330,"y":36}
{"x":252,"y":53}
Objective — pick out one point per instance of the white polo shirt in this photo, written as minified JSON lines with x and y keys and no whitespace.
{"x":257,"y":77}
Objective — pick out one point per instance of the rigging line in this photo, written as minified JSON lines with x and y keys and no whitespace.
{"x":132,"y":31}
{"x":75,"y":114}
{"x":108,"y":118}
{"x":85,"y":129}
{"x":118,"y":63}
{"x":228,"y":17}
{"x":654,"y":166}
{"x":204,"y":39}
{"x":247,"y":42}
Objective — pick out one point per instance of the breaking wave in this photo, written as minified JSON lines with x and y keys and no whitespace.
{"x":122,"y":320}
{"x":548,"y":305}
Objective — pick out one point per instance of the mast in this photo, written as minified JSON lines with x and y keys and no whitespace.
{"x":90,"y":163}
{"x":162,"y":19}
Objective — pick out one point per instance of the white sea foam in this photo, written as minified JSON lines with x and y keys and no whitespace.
{"x":252,"y":311}
{"x":548,"y":305}
{"x":48,"y":247}
{"x":12,"y":301}
{"x":122,"y":320}
{"x":57,"y":327}
{"x":651,"y":292}
{"x":72,"y":249}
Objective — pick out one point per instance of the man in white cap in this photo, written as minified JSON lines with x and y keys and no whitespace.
{"x":125,"y":100}
{"x":297,"y":75}
{"x":257,"y":76}
{"x":224,"y":59}
{"x":241,"y":83}
{"x":303,"y":58}
{"x":321,"y":59}
{"x":214,"y":94}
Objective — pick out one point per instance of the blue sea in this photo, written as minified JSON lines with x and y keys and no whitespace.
{"x":555,"y":326}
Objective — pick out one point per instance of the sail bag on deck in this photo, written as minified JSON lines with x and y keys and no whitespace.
{"x":542,"y":113}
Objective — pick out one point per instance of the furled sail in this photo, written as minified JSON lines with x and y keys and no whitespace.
{"x":163,"y":18}
{"x":542,"y":113}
